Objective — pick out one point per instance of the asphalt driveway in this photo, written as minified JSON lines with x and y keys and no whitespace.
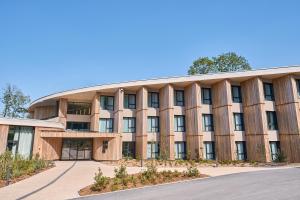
{"x":281,"y":184}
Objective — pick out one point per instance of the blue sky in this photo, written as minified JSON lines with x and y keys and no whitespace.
{"x":49,"y":46}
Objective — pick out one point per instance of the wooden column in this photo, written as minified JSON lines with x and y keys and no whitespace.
{"x":288,"y":115}
{"x":62,"y":111}
{"x":141,"y":123}
{"x":257,"y":140}
{"x":3,"y":137}
{"x":118,"y":120}
{"x":223,"y":121}
{"x":166,"y":97}
{"x":95,"y":113}
{"x":194,"y":134}
{"x":112,"y":153}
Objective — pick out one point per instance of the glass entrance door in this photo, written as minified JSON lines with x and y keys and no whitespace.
{"x":77,"y":149}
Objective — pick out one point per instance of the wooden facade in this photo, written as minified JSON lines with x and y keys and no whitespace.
{"x":223,"y":121}
{"x":194,"y":134}
{"x":257,"y":136}
{"x":255,"y":121}
{"x":288,"y":114}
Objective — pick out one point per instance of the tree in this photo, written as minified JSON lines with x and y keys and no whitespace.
{"x":14,"y":102}
{"x":226,"y":62}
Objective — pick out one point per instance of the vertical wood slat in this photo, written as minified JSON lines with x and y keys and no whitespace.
{"x":95,"y":113}
{"x":194,"y":134}
{"x":223,"y":121}
{"x":257,"y":139}
{"x":118,"y":111}
{"x":113,"y":152}
{"x":288,"y":114}
{"x":141,"y":123}
{"x":62,"y":111}
{"x":3,"y":137}
{"x":166,"y":96}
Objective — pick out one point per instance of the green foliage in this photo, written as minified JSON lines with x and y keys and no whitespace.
{"x":14,"y":102}
{"x":280,"y":157}
{"x":121,"y":176}
{"x":18,"y":166}
{"x":192,"y":171}
{"x":150,"y":174}
{"x":223,"y":63}
{"x":101,"y":182}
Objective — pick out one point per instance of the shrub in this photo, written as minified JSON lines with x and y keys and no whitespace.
{"x":280,"y":157}
{"x":5,"y":160}
{"x":122,"y":175}
{"x":192,"y":171}
{"x":150,"y":174}
{"x":101,"y":182}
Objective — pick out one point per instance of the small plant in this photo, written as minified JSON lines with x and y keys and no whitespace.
{"x":280,"y":157}
{"x":192,"y":171}
{"x":101,"y":182}
{"x":150,"y":174}
{"x":122,"y":175}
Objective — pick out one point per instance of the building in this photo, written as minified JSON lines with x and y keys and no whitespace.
{"x":225,"y":116}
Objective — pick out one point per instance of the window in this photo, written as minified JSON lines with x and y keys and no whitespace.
{"x":241,"y":150}
{"x":78,"y":126}
{"x":152,"y":150}
{"x":206,"y":96}
{"x":107,"y":103}
{"x":298,"y":86}
{"x":275,"y":149}
{"x":207,"y":122}
{"x":268,"y":90}
{"x":236,"y":94}
{"x":106,"y":125}
{"x":129,"y":124}
{"x":238,"y":121}
{"x":179,"y":98}
{"x":209,"y":150}
{"x":153,"y":124}
{"x":180,"y":150}
{"x":153,"y":99}
{"x":179,"y":123}
{"x":128,"y":149}
{"x":77,"y":108}
{"x":129,"y":101}
{"x":20,"y":140}
{"x":272,"y":120}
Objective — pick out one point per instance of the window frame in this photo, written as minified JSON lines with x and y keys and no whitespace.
{"x":151,"y":100}
{"x":274,"y":154}
{"x":205,"y":127}
{"x":71,"y":123}
{"x":78,"y":111}
{"x":268,"y":97}
{"x":204,"y":99}
{"x":178,"y":128}
{"x":180,"y":155}
{"x":153,"y":129}
{"x":239,"y":153}
{"x":130,"y":104}
{"x":131,"y":129}
{"x":126,"y":147}
{"x":236,"y":99}
{"x":210,"y":155}
{"x":239,"y":127}
{"x":106,"y":106}
{"x":154,"y":154}
{"x":272,"y":121}
{"x":178,"y":101}
{"x":108,"y":130}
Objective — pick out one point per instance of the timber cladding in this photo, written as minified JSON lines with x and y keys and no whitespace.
{"x":197,"y":134}
{"x":255,"y":121}
{"x":222,"y":110}
{"x":287,"y":107}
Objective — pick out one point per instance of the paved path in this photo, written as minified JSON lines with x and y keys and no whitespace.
{"x":283,"y":184}
{"x":68,"y":177}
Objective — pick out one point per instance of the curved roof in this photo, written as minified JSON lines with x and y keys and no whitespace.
{"x":170,"y":80}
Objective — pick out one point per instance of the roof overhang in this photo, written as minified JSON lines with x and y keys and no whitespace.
{"x":185,"y":80}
